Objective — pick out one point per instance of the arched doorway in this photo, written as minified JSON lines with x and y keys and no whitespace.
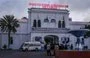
{"x":53,"y":39}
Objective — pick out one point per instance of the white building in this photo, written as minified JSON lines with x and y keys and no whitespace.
{"x":42,"y":24}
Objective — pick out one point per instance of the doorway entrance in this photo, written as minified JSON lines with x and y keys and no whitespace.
{"x":53,"y":39}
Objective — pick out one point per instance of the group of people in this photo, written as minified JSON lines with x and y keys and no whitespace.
{"x":50,"y":48}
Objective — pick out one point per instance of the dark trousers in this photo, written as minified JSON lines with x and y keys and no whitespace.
{"x":48,"y":53}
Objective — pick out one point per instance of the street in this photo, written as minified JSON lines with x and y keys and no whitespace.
{"x":20,"y":54}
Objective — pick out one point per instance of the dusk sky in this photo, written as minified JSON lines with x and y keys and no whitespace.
{"x":79,"y":9}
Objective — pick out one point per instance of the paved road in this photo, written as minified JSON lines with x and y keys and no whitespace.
{"x":19,"y":54}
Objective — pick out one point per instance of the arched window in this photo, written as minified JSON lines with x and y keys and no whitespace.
{"x":46,"y":20}
{"x":63,"y":22}
{"x":38,"y":38}
{"x":65,"y":40}
{"x":53,"y":20}
{"x":11,"y":40}
{"x":59,"y":24}
{"x":39,"y":23}
{"x":34,"y":23}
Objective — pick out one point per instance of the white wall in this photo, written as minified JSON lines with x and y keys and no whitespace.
{"x":24,"y":31}
{"x":72,"y":27}
{"x":87,"y":42}
{"x":18,"y":39}
{"x":51,"y":14}
{"x":60,"y":35}
{"x":23,"y":28}
{"x":4,"y":39}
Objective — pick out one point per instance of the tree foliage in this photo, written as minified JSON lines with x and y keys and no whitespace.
{"x":87,"y":33}
{"x":9,"y":24}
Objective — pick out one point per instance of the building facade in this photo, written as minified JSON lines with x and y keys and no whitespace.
{"x":45,"y":24}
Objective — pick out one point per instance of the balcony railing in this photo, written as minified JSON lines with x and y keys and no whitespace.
{"x":57,"y":30}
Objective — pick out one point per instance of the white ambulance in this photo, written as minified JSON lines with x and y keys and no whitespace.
{"x":31,"y":46}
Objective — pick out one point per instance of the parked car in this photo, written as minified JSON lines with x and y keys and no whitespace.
{"x":31,"y":46}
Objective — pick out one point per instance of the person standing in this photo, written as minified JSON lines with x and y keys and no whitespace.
{"x":71,"y":47}
{"x":48,"y":49}
{"x":52,"y":49}
{"x":45,"y":47}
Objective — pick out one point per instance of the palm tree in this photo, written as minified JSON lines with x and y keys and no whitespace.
{"x":9,"y":24}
